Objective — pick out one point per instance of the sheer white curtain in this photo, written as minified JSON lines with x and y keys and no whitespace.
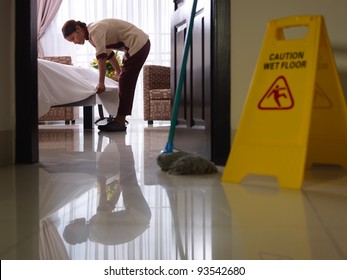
{"x":152,"y":16}
{"x":46,"y":11}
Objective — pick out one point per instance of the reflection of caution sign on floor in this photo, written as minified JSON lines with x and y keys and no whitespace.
{"x":278,"y":97}
{"x":295,"y":114}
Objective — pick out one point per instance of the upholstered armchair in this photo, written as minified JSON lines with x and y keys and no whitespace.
{"x":156,"y":93}
{"x":67,"y":114}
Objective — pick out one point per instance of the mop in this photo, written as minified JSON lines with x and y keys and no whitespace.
{"x":180,"y":162}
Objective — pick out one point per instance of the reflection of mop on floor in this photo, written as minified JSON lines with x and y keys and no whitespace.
{"x":182,"y":163}
{"x":196,"y":230}
{"x":173,"y":208}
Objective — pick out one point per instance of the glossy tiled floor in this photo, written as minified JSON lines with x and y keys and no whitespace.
{"x":156,"y":215}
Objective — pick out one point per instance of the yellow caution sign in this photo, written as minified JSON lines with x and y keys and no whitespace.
{"x":295,"y":114}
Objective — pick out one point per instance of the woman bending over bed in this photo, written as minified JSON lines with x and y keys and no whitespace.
{"x":107,"y":35}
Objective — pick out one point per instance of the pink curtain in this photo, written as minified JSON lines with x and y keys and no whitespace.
{"x":46,"y":11}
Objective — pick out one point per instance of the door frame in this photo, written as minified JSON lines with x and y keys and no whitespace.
{"x":26,"y":105}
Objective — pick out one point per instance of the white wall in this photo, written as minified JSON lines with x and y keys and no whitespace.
{"x":248,"y":24}
{"x":7,"y":90}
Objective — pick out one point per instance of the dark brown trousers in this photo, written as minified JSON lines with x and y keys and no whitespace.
{"x":128,"y":79}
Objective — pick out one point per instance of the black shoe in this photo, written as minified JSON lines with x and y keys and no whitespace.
{"x":112,"y":126}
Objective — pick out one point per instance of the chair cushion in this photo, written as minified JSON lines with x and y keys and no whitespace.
{"x":155,"y":94}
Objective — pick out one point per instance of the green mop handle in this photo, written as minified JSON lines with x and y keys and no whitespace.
{"x":169,"y":145}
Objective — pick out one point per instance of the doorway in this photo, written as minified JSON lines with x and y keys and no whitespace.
{"x":213,"y":117}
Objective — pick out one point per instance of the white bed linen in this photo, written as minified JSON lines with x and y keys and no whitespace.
{"x":60,"y":84}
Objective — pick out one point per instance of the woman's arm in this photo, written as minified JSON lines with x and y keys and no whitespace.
{"x":102,"y":72}
{"x":115,"y":64}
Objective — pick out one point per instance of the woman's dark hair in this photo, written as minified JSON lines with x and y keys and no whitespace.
{"x":70,"y":26}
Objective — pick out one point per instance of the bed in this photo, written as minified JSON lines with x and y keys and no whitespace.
{"x":68,"y":85}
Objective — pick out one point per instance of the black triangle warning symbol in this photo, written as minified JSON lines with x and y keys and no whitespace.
{"x":278,"y":96}
{"x":321,"y":100}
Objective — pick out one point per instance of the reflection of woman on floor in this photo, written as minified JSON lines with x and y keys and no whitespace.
{"x":111,"y":227}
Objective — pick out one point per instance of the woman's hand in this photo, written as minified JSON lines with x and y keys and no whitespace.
{"x":100,"y":88}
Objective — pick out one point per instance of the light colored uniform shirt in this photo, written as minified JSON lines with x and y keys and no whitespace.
{"x":118,"y":227}
{"x":114,"y":34}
